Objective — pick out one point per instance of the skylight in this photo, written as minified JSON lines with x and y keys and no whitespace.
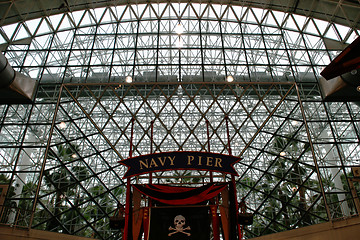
{"x":247,"y":38}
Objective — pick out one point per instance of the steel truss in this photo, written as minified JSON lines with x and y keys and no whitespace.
{"x":60,"y":154}
{"x":281,"y":173}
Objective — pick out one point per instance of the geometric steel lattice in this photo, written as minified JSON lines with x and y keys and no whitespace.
{"x":82,"y":183}
{"x":278,"y":175}
{"x":59,"y":156}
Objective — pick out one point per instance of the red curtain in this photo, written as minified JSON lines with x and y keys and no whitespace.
{"x":174,"y":195}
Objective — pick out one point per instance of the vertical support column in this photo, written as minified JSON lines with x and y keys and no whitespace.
{"x":127,"y":227}
{"x":233,"y":179}
{"x":151,"y":146}
{"x":215,"y":222}
{"x":131,"y":137}
{"x":127,"y":211}
{"x":146,"y":222}
{"x":208,"y":143}
{"x":228,"y":135}
{"x":151,"y":151}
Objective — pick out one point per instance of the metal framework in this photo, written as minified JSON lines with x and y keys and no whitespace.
{"x":60,"y":154}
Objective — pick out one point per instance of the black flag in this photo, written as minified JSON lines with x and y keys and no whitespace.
{"x":179,"y":223}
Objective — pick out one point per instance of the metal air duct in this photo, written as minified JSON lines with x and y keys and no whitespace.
{"x":14,"y":86}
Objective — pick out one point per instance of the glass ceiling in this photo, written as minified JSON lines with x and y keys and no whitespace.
{"x":63,"y":151}
{"x":140,"y":41}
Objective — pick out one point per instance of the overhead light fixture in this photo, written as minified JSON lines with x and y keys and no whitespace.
{"x":179,"y":43}
{"x":294,"y":122}
{"x":229,"y":78}
{"x":128,"y":79}
{"x":179,"y":29}
{"x":180,"y":90}
{"x":62,"y":125}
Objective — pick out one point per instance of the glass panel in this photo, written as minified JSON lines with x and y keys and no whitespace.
{"x":178,"y":80}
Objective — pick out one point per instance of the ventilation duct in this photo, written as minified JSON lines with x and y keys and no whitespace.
{"x":341,"y":80}
{"x":14,"y":86}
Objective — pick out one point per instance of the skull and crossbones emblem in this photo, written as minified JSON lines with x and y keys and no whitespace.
{"x":179,"y":222}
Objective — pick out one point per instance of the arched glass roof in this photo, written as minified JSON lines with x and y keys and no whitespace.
{"x":63,"y":150}
{"x":140,"y":41}
{"x":345,"y":12}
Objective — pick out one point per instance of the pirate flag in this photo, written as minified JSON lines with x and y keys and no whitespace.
{"x":179,"y":223}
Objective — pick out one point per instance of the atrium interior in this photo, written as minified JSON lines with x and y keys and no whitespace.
{"x":118,"y":79}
